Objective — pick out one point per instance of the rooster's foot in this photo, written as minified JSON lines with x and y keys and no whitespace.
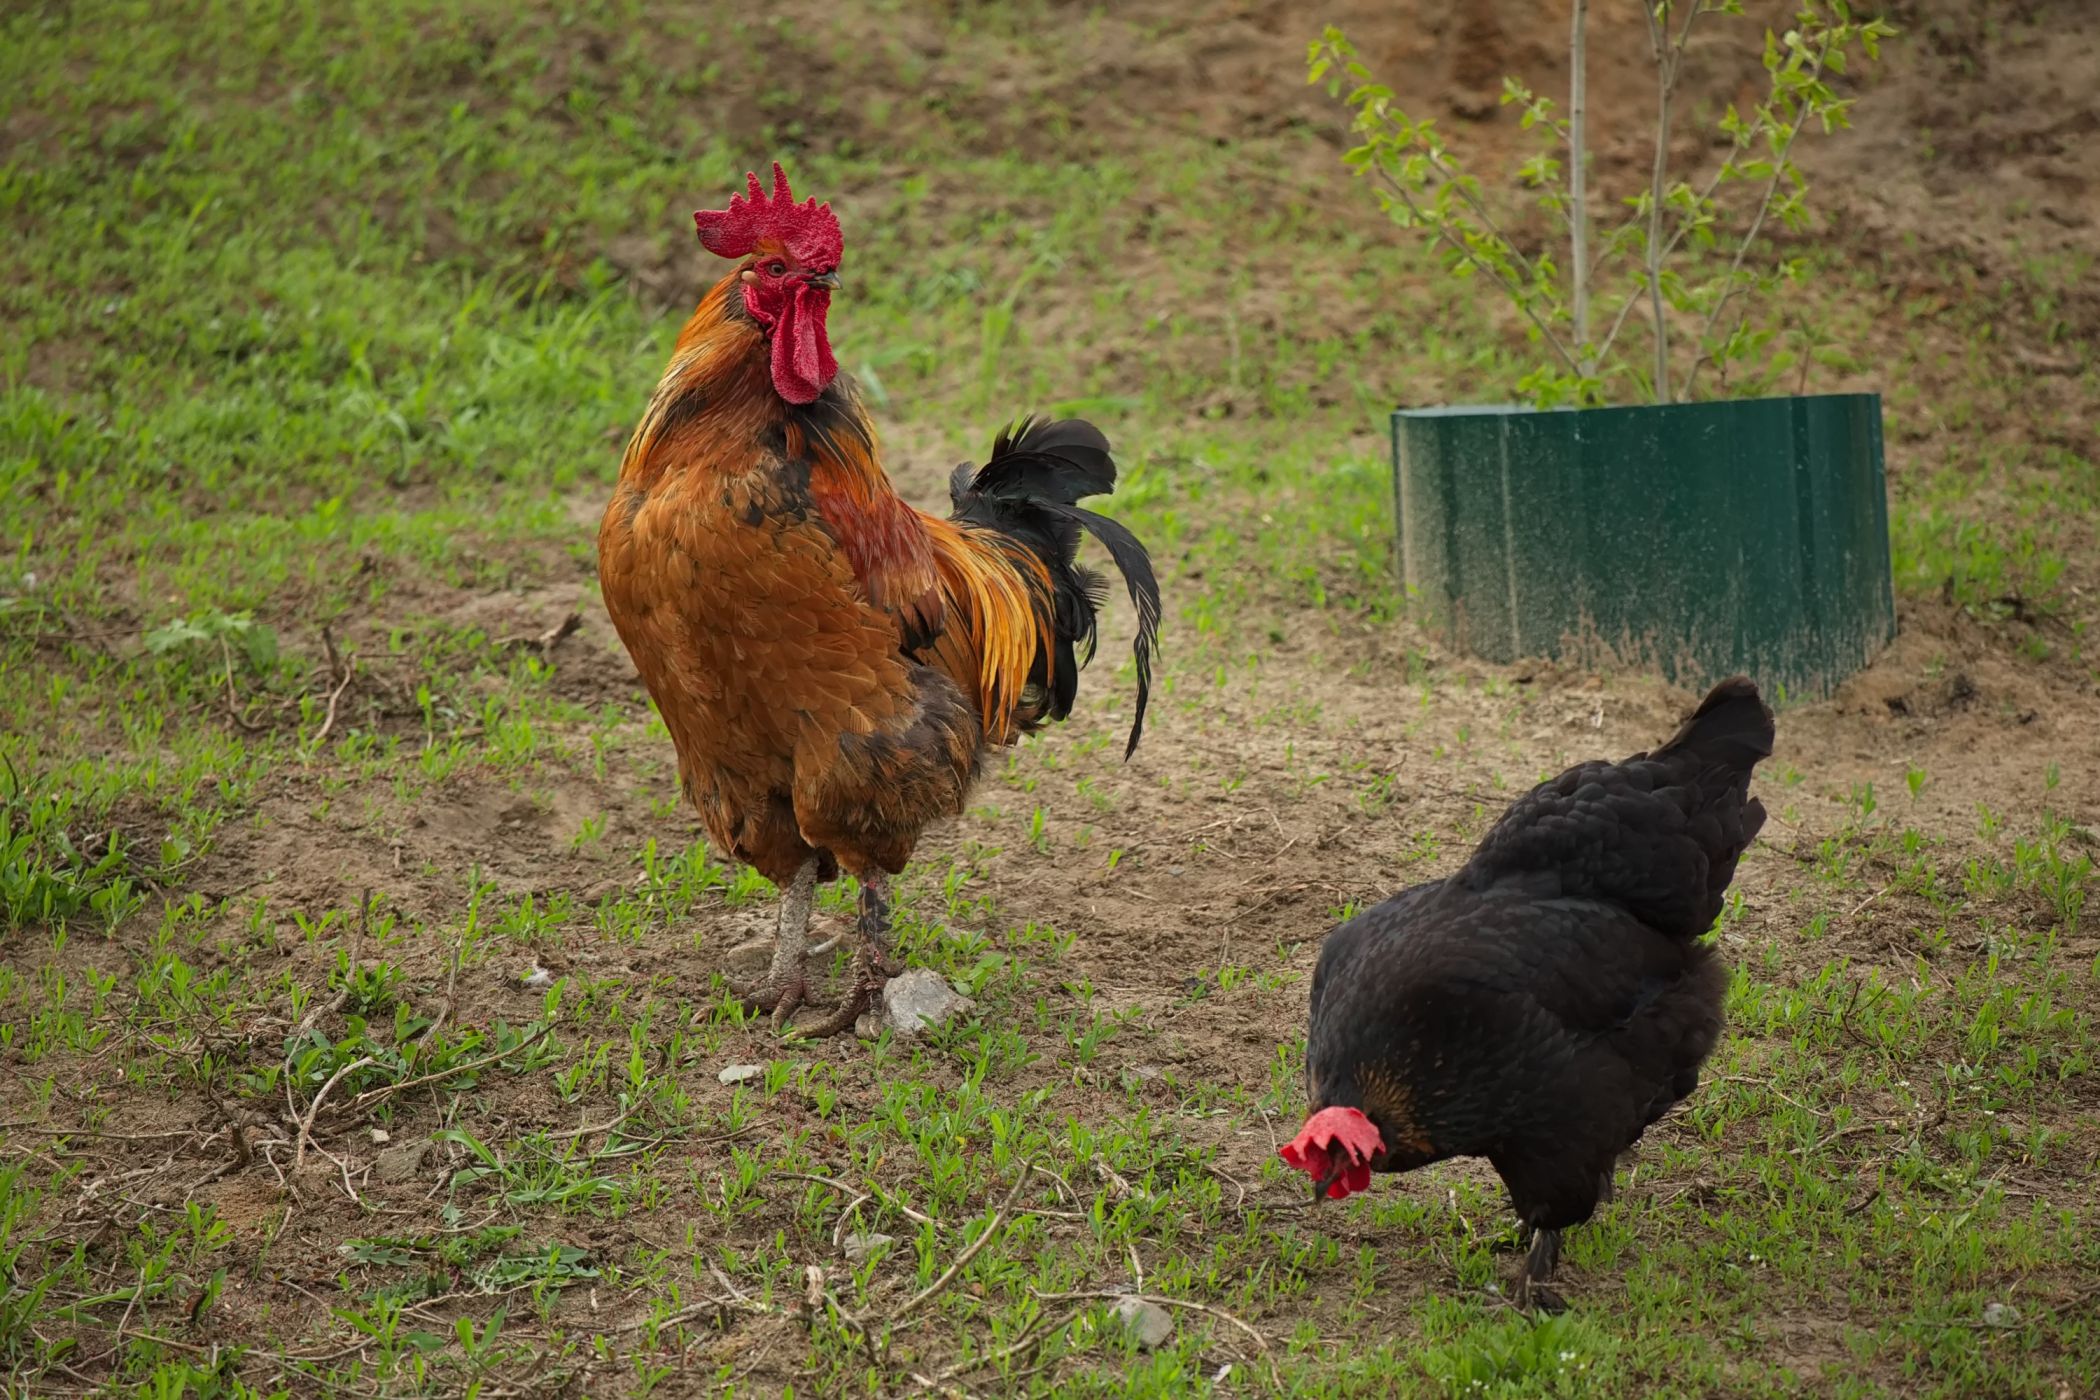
{"x":873,"y":965}
{"x":872,"y":973}
{"x":782,"y":996}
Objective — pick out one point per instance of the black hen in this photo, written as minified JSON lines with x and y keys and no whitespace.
{"x":1547,"y":1003}
{"x":1030,"y":491}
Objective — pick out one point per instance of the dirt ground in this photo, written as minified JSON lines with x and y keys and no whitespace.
{"x":1974,"y":155}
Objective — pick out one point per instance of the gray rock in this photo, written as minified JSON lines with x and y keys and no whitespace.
{"x":752,"y":955}
{"x":862,"y":1243}
{"x":1148,"y":1324}
{"x":402,"y":1161}
{"x":921,"y":998}
{"x":2001,"y":1315}
{"x":737,"y":1074}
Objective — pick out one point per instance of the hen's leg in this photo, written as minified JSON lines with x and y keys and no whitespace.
{"x":1533,"y":1289}
{"x":873,"y":966}
{"x":786,"y":985}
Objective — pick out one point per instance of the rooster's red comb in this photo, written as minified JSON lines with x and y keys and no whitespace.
{"x":808,"y":231}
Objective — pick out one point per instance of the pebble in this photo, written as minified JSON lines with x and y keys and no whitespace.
{"x":860,"y":1244}
{"x":1148,"y":1324}
{"x":400,"y":1163}
{"x":2001,"y":1315}
{"x":751,"y":955}
{"x":1138,"y":1075}
{"x":919,"y":998}
{"x":737,"y":1074}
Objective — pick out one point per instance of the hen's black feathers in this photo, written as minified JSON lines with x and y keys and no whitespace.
{"x":1030,"y":490}
{"x":1546,"y":1004}
{"x":1677,"y":819}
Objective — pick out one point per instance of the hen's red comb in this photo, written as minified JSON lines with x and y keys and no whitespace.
{"x":1335,"y":1137}
{"x":808,"y":231}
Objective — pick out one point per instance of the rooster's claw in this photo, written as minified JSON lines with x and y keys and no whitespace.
{"x":782,"y":998}
{"x":876,"y":968}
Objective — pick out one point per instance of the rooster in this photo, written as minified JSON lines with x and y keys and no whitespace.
{"x":1544,"y":1006}
{"x":832,"y":663}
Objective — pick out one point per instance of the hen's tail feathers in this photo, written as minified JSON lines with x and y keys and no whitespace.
{"x":1030,"y":490}
{"x":1658,"y":834}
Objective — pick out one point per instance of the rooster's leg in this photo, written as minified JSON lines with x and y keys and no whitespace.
{"x":786,"y":986}
{"x":872,"y":962}
{"x":1533,"y":1289}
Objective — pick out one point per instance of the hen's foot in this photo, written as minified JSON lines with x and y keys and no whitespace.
{"x":1540,"y":1298}
{"x":1534,"y":1289}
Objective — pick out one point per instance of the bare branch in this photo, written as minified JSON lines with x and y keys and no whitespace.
{"x":387,"y":1090}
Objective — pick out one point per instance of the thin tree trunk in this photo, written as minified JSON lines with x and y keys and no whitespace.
{"x":1579,"y":183}
{"x":1665,"y":80}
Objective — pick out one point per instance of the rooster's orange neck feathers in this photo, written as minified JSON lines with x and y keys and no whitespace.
{"x":719,"y":387}
{"x":717,"y":401}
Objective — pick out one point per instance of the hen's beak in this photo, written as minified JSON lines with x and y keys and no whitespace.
{"x":829,"y":281}
{"x":1320,"y":1188}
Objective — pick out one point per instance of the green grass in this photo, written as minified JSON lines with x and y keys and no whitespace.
{"x":324,"y":334}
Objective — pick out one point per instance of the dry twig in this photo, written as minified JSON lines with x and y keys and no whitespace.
{"x":388,"y":1090}
{"x":341,"y":672}
{"x":306,"y":1124}
{"x":962,"y":1261}
{"x":233,"y":699}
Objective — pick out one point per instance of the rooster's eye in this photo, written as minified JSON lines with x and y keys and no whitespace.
{"x":777,"y":268}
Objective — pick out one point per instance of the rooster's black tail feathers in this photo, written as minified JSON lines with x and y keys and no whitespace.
{"x":1030,"y":489}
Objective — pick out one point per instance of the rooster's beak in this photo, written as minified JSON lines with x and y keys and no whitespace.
{"x":829,"y":281}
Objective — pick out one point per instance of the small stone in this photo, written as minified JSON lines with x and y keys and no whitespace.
{"x":737,"y":1074}
{"x":2001,"y":1315}
{"x":862,"y":1243}
{"x":401,"y":1162}
{"x":1148,"y":1324}
{"x":920,"y":998}
{"x":751,"y":955}
{"x":381,"y":1136}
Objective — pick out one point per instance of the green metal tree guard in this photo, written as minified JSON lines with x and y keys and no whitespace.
{"x":1699,"y":540}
